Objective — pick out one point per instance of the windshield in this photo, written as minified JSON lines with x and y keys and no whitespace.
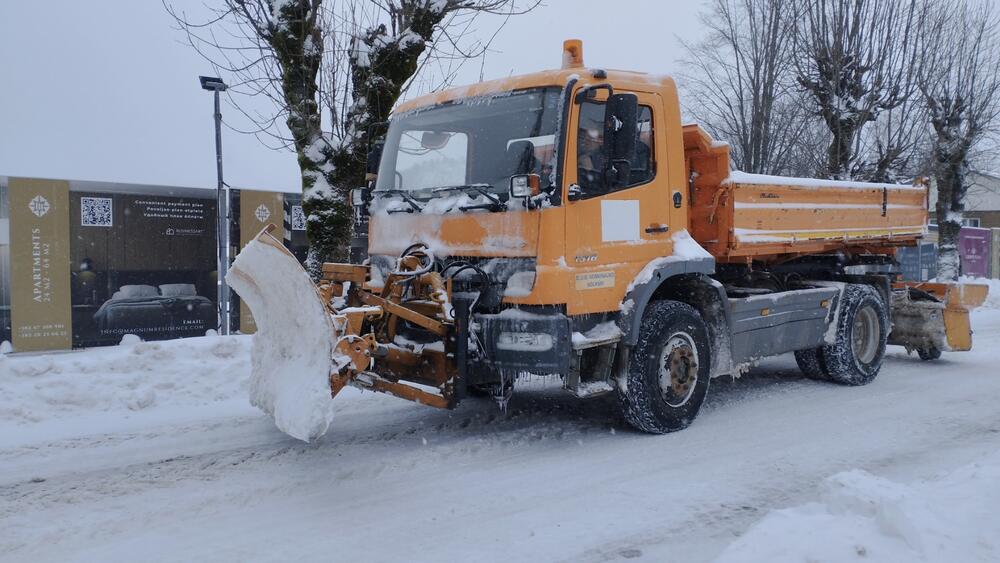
{"x":475,"y":144}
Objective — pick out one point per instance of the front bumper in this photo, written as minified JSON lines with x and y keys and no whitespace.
{"x":521,"y":340}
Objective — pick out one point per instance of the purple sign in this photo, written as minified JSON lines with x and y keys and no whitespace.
{"x":974,"y":248}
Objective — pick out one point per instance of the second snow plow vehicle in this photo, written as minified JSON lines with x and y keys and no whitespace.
{"x":566,"y":223}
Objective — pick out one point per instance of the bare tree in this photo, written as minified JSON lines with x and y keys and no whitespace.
{"x":961,"y":86}
{"x":895,"y":147}
{"x":349,"y":60}
{"x":740,"y":82}
{"x":855,"y":58}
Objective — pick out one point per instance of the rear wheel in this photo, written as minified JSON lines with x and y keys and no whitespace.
{"x":862,"y":329}
{"x":811,"y":363}
{"x":668,"y":369}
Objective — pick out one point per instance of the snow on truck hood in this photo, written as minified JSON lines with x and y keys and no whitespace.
{"x":506,"y":234}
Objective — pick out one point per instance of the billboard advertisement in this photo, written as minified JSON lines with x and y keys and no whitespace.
{"x":141,"y":264}
{"x":39,"y":264}
{"x":84,"y":263}
{"x":974,"y":248}
{"x":257,"y":210}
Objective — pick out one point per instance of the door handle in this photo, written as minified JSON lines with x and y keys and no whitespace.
{"x":657,"y":229}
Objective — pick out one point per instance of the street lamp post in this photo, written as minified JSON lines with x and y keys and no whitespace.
{"x":216,"y":85}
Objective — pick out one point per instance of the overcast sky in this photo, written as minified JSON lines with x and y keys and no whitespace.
{"x":106,"y":90}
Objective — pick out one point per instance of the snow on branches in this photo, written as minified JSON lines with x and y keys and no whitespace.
{"x":343,"y":64}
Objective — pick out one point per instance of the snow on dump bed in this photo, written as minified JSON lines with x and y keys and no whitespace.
{"x":293,"y":347}
{"x":133,"y":377}
{"x":861,"y":517}
{"x":737,"y":177}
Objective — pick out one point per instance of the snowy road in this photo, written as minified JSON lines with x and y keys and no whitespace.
{"x":554,"y":479}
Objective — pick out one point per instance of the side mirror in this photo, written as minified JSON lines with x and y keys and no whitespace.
{"x":525,"y":185}
{"x":374,"y":157}
{"x":621,"y":122}
{"x":434,"y":140}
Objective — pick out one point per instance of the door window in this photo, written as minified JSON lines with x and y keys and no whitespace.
{"x":592,"y":158}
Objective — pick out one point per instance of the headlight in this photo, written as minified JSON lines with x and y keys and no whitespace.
{"x":524,"y":341}
{"x":520,"y":284}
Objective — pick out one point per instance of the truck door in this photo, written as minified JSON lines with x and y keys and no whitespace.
{"x":613,"y":232}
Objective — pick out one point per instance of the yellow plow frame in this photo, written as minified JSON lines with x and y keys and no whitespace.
{"x":368,"y":350}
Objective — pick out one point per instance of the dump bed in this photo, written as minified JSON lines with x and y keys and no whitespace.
{"x":738,"y":216}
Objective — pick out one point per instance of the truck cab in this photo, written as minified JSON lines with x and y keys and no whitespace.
{"x":562,"y":185}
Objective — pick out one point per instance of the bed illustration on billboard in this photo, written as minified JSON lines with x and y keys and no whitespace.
{"x":153,"y":312}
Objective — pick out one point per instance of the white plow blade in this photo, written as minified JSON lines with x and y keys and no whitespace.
{"x":292,"y":349}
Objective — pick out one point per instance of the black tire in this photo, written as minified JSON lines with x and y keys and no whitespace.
{"x":672,"y":331}
{"x":811,"y":363}
{"x":862,"y":330}
{"x":928,"y":354}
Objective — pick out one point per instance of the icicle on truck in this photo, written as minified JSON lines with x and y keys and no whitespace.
{"x":566,"y":223}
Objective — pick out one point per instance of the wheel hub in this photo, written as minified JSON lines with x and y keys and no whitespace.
{"x":678,"y":369}
{"x":865,"y":335}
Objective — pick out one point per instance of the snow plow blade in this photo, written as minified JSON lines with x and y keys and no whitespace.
{"x":934,"y":317}
{"x":292,"y":351}
{"x":306,"y":350}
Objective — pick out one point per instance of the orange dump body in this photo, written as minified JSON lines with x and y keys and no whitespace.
{"x":741,"y":217}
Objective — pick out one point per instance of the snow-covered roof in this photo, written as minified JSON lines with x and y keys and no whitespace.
{"x":984,"y":192}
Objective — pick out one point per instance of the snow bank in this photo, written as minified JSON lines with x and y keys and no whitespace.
{"x":134,"y":376}
{"x":863,"y":517}
{"x":292,"y":350}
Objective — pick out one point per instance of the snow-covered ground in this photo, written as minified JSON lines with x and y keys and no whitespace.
{"x":151,"y":451}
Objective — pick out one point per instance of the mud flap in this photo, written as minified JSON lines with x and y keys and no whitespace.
{"x":292,"y":353}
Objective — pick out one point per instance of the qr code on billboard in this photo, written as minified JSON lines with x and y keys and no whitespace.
{"x":298,"y":218}
{"x":95,"y":211}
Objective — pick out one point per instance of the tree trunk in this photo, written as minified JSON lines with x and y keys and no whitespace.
{"x":950,"y":176}
{"x":840,"y":153}
{"x":380,"y":66}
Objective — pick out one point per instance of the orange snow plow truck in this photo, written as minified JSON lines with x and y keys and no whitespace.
{"x":566,"y":223}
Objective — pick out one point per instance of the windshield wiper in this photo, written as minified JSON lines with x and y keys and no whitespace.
{"x":494,"y":205}
{"x":406,"y":197}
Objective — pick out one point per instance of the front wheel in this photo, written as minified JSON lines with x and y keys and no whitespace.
{"x":667,"y":375}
